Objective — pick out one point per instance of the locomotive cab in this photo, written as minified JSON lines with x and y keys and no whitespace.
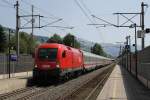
{"x":47,"y":58}
{"x":46,"y":61}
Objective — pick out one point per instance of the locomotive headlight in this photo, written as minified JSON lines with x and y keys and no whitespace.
{"x":35,"y":66}
{"x":57,"y":65}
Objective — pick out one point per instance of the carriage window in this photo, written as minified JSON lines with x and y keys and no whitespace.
{"x":48,"y":54}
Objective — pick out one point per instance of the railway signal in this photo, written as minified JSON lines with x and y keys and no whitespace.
{"x":147,"y":30}
{"x":141,"y":33}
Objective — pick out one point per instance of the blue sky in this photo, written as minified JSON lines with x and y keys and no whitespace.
{"x":72,"y":15}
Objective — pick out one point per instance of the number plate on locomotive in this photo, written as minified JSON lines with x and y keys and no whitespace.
{"x":45,"y":66}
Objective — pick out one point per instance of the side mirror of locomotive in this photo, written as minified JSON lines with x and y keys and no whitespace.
{"x":64,"y":54}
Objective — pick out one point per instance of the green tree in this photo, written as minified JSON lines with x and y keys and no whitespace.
{"x":55,"y":39}
{"x":23,"y":46}
{"x":70,"y":40}
{"x":97,"y":49}
{"x":3,"y":40}
{"x":31,"y":43}
{"x":27,"y":44}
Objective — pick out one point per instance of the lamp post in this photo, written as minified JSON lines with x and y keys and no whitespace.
{"x":127,"y":48}
{"x":121,"y":51}
{"x":129,"y":52}
{"x":134,"y":26}
{"x":9,"y":53}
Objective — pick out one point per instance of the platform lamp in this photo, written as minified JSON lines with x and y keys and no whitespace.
{"x":135,"y":45}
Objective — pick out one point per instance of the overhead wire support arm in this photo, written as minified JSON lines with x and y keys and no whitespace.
{"x":100,"y":25}
{"x":104,"y":21}
{"x":32,"y":21}
{"x":51,"y":23}
{"x":28,"y":27}
{"x":127,"y":26}
{"x":61,"y":27}
{"x":128,"y":19}
{"x":29,"y":15}
{"x":127,"y":13}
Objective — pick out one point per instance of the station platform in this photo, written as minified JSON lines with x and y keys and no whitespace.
{"x":121,"y":85}
{"x":17,"y":81}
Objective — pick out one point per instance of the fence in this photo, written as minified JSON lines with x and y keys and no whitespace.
{"x":143,"y":65}
{"x":25,"y":63}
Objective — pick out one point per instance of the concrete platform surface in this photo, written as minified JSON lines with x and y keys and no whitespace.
{"x":121,"y":85}
{"x":19,"y":81}
{"x":17,"y":75}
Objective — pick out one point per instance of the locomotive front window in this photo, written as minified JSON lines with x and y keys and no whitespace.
{"x":48,"y":54}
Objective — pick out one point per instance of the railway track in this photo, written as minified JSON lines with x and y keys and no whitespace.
{"x":14,"y":93}
{"x":35,"y":93}
{"x":71,"y":90}
{"x":24,"y":94}
{"x":91,"y":89}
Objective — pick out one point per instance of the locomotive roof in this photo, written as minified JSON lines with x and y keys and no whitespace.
{"x":51,"y":44}
{"x":84,"y":52}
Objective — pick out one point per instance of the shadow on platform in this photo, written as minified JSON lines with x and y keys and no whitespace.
{"x":134,"y":89}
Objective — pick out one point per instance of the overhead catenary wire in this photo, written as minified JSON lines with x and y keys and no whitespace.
{"x":51,"y":23}
{"x":7,"y":6}
{"x":85,"y":6}
{"x":84,"y":12}
{"x":51,"y":15}
{"x":10,"y":5}
{"x":103,"y":20}
{"x":47,"y":23}
{"x":5,"y":1}
{"x":47,"y":13}
{"x":90,"y":13}
{"x":87,"y":9}
{"x":87,"y":15}
{"x":24,"y":12}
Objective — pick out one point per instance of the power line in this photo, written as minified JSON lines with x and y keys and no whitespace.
{"x":47,"y":31}
{"x":146,"y":9}
{"x":47,"y":13}
{"x":103,"y":20}
{"x":88,"y":10}
{"x":24,"y":11}
{"x":6,"y":6}
{"x":52,"y":16}
{"x":78,"y":4}
{"x":5,"y":1}
{"x":51,"y":23}
{"x":81,"y":1}
{"x":84,"y":12}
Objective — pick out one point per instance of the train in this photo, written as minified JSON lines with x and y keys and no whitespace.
{"x":58,"y":60}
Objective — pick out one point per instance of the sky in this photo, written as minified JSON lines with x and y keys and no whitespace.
{"x":77,"y":13}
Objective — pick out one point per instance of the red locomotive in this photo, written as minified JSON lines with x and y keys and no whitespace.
{"x":52,"y":59}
